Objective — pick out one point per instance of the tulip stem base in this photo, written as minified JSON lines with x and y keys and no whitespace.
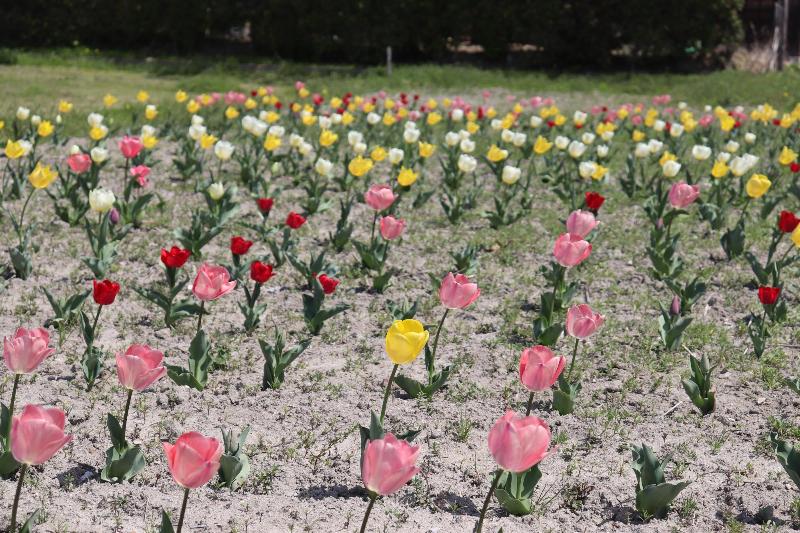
{"x":183,"y":510}
{"x":388,"y":390}
{"x":488,"y":499}
{"x":22,"y":470}
{"x":574,"y":356}
{"x":368,"y":511}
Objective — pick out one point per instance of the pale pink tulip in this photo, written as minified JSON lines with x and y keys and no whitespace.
{"x":517,"y":443}
{"x":130,"y":146}
{"x":570,"y":250}
{"x":388,"y":464}
{"x":682,"y":194}
{"x":539,"y":368}
{"x":457,"y":292}
{"x":581,"y":223}
{"x":392,"y":228}
{"x":379,"y":197}
{"x":212,"y":282}
{"x":139,"y":367}
{"x":140,"y":172}
{"x":194,"y":459}
{"x":582,"y":322}
{"x":79,"y":163}
{"x":37,"y":433}
{"x":26,"y":350}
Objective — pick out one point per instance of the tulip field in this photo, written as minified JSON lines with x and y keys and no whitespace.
{"x":298,"y":310}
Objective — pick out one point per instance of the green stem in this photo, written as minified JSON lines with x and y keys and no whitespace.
{"x":366,"y":514}
{"x":183,"y":511}
{"x":530,"y":404}
{"x":13,"y":527}
{"x":94,"y":329}
{"x":125,"y":416}
{"x":372,"y":231}
{"x":388,"y":389}
{"x":438,"y":331}
{"x":200,"y":316}
{"x":22,"y":216}
{"x":488,"y":499}
{"x":13,"y":396}
{"x":574,"y":355}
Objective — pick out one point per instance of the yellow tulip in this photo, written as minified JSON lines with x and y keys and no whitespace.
{"x":433,"y":118}
{"x":405,"y":340}
{"x":250,"y":104}
{"x":142,"y":96}
{"x":491,"y":112}
{"x":296,"y":107}
{"x":359,"y":166}
{"x":207,"y":141}
{"x":347,"y":118}
{"x":327,"y":138}
{"x":542,"y":145}
{"x":45,"y":128}
{"x":181,"y":97}
{"x":757,"y":185}
{"x":599,"y":172}
{"x":64,"y":106}
{"x":431,"y":103}
{"x":796,"y":236}
{"x":637,"y":136}
{"x":388,"y":119}
{"x":272,"y":143}
{"x":378,"y":154}
{"x":720,"y":170}
{"x":308,"y":118}
{"x":14,"y":149}
{"x":272,"y":117}
{"x":98,"y":133}
{"x":109,"y":100}
{"x":426,"y":149}
{"x":231,"y":112}
{"x":407,"y":177}
{"x":149,"y":141}
{"x":150,"y":112}
{"x":303,"y":93}
{"x":495,"y":154}
{"x":667,"y":156}
{"x":42,"y":176}
{"x":193,"y":106}
{"x":787,"y":157}
{"x":473,"y":127}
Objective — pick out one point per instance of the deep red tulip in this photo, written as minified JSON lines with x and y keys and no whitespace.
{"x":594,"y":200}
{"x":175,"y":257}
{"x":787,"y":221}
{"x":265,"y":205}
{"x":768,"y":295}
{"x":260,"y":272}
{"x":240,"y":245}
{"x":795,"y":167}
{"x":105,"y":292}
{"x":294,"y":220}
{"x":328,"y":284}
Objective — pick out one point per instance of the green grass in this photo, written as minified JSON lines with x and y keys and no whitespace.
{"x":38,"y":78}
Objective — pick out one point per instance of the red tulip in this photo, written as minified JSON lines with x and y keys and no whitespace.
{"x":787,"y":221}
{"x":139,"y":367}
{"x":539,"y":368}
{"x":175,"y":257}
{"x":260,"y":272}
{"x":517,"y":443}
{"x":328,"y":283}
{"x":37,"y":433}
{"x":265,"y":205}
{"x":105,"y":292}
{"x":26,"y":350}
{"x":795,"y":167}
{"x":194,"y":459}
{"x":240,"y":245}
{"x":294,"y":220}
{"x":594,"y":200}
{"x":768,"y":295}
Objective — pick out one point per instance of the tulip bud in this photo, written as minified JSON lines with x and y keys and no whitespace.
{"x":675,"y":308}
{"x":113,"y":216}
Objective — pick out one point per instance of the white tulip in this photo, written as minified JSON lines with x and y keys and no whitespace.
{"x":576,"y":149}
{"x":731,"y":146}
{"x":723,"y":157}
{"x":148,"y":131}
{"x":98,"y":154}
{"x":579,"y":117}
{"x":588,"y":138}
{"x":655,"y":146}
{"x":216,"y":190}
{"x":36,"y":120}
{"x":511,"y":174}
{"x":396,"y":156}
{"x":305,"y":148}
{"x":700,"y":152}
{"x":749,"y":138}
{"x":94,"y":119}
{"x":467,"y":164}
{"x":323,"y":167}
{"x":641,"y":150}
{"x":411,"y":135}
{"x":507,"y":136}
{"x":360,"y":148}
{"x":196,"y":131}
{"x":452,"y":138}
{"x":197,"y":120}
{"x":602,"y":151}
{"x":561,"y":142}
{"x":496,"y":124}
{"x":277,"y":131}
{"x":676,"y":130}
{"x":324,"y":123}
{"x":659,"y":125}
{"x":23,"y":113}
{"x":536,"y":121}
{"x":607,"y":135}
{"x":671,"y":168}
{"x":295,"y":140}
{"x":457,"y":115}
{"x":354,"y":137}
{"x":586,"y":169}
{"x":74,"y":149}
{"x":373,"y":118}
{"x":101,"y":200}
{"x":223,"y":150}
{"x":519,"y":139}
{"x":467,"y":146}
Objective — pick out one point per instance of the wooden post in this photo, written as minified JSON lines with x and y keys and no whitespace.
{"x":389,"y":61}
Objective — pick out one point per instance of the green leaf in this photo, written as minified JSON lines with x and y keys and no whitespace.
{"x":411,"y":386}
{"x":122,"y":464}
{"x":788,"y":457}
{"x":654,"y":500}
{"x":30,"y":522}
{"x":115,"y":430}
{"x":166,"y":523}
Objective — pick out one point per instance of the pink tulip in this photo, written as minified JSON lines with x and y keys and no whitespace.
{"x":517,"y":443}
{"x":706,"y":120}
{"x":140,"y":172}
{"x":139,"y":367}
{"x":392,"y":228}
{"x":379,"y":197}
{"x":582,"y":322}
{"x":26,"y":350}
{"x":388,"y":464}
{"x":79,"y":163}
{"x":212,"y":282}
{"x":581,"y":223}
{"x":130,"y":146}
{"x":37,"y":433}
{"x":570,"y":250}
{"x":682,"y":194}
{"x":539,"y":368}
{"x":457,"y":292}
{"x":194,"y":459}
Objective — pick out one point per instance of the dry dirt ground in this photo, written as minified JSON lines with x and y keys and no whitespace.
{"x":304,"y":443}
